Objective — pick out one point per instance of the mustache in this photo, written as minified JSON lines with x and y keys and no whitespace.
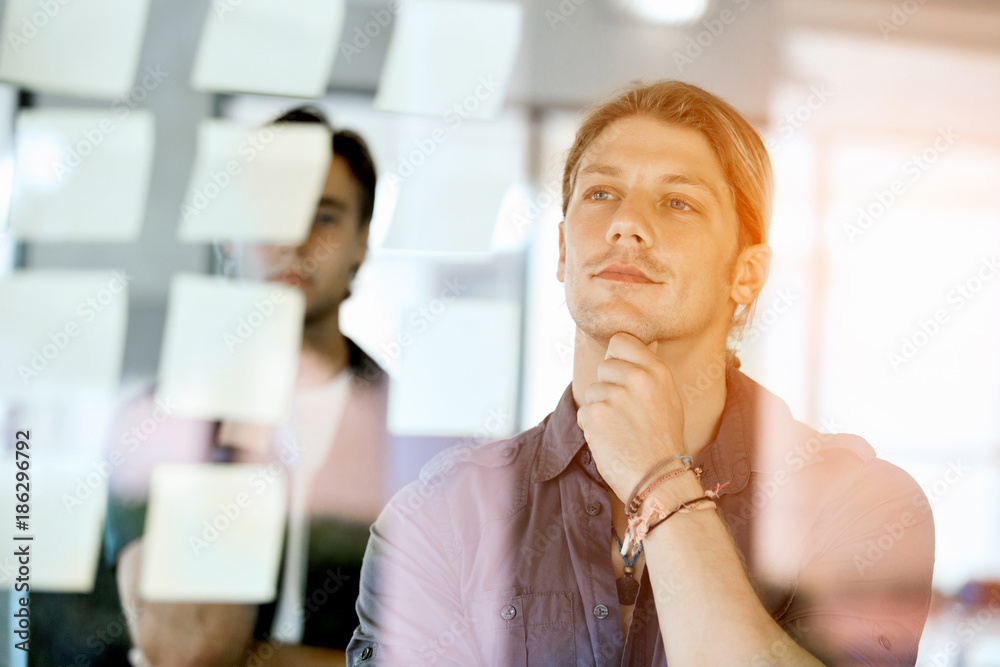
{"x":650,"y":268}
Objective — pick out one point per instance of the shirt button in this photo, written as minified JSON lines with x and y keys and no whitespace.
{"x":508,"y":612}
{"x":884,"y":641}
{"x":366,"y":653}
{"x":585,"y":457}
{"x":600,"y":611}
{"x":593,"y":509}
{"x":507,"y":452}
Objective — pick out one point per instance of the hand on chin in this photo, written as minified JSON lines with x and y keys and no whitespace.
{"x":632,"y":415}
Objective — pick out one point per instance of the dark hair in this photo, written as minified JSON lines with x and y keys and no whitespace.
{"x":350,"y":146}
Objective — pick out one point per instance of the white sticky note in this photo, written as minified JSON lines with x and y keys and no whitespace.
{"x":213,"y":533}
{"x":451,"y":57}
{"x":67,"y":504}
{"x":62,"y":333}
{"x":231,"y":349}
{"x":255,"y":183}
{"x":467,"y":343}
{"x":451,"y":182}
{"x":88,"y":48}
{"x":81,"y":175}
{"x":269,"y":46}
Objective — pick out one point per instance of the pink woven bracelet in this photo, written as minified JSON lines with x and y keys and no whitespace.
{"x":636,"y":502}
{"x":654,"y":514}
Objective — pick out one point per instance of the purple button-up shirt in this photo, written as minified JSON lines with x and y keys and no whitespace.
{"x":499,"y":554}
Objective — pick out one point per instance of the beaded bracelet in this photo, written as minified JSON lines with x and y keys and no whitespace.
{"x":636,"y":498}
{"x":654,"y":514}
{"x":683,"y":458}
{"x":684,"y":508}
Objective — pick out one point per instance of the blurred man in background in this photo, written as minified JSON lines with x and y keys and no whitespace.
{"x":336,"y":481}
{"x":670,"y":510}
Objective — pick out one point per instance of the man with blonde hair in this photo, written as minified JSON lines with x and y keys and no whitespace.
{"x":670,"y":510}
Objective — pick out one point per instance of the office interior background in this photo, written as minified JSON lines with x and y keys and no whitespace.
{"x":881,"y":316}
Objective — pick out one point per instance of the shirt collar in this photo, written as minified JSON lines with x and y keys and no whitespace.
{"x":561,"y":440}
{"x":726,"y":459}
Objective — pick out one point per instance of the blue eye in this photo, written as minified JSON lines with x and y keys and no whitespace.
{"x":600,"y":195}
{"x":679,"y":204}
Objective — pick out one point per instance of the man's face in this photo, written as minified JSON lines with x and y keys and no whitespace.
{"x":652,"y":196}
{"x":322,"y":265}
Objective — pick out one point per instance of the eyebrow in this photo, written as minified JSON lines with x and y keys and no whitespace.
{"x":680,"y":179}
{"x":339,"y":204}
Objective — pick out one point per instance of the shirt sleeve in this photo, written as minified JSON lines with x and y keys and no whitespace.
{"x":864,"y":588}
{"x":409,"y":604}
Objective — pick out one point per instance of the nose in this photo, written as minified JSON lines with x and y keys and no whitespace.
{"x":630,"y":224}
{"x":305,"y":248}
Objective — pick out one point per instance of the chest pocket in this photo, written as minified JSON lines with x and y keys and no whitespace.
{"x":523,"y":630}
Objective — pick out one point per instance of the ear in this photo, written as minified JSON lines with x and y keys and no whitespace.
{"x":561,"y":270}
{"x":752,"y":268}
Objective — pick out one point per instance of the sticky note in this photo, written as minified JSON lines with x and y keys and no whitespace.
{"x":81,"y":175}
{"x":67,"y":504}
{"x":90,"y":49}
{"x":269,"y":46}
{"x":62,"y":333}
{"x":255,"y":183}
{"x":451,"y":58}
{"x":451,"y":182}
{"x":213,"y":533}
{"x":230,"y":349}
{"x":454,"y":346}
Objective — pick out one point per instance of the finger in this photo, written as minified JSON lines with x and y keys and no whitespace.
{"x":616,"y":371}
{"x":627,"y":347}
{"x":602,"y":391}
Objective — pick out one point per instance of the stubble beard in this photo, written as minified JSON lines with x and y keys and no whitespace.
{"x":600,"y":320}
